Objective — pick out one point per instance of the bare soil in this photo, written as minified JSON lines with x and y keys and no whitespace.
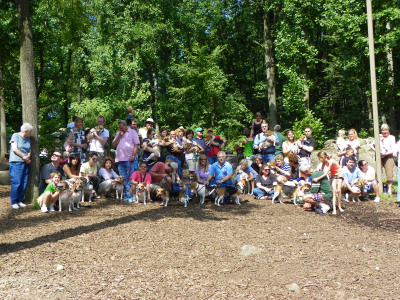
{"x":116,"y":250}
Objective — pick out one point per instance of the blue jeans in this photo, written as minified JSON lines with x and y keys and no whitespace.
{"x":259,"y":193}
{"x":188,"y":191}
{"x":178,"y":161}
{"x":212,"y":159}
{"x":126,"y":169}
{"x":398,"y":185}
{"x":19,"y":172}
{"x":267,"y":157}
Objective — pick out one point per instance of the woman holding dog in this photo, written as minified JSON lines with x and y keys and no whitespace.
{"x":20,"y":164}
{"x":147,"y":150}
{"x":289,"y":146}
{"x":265,"y":183}
{"x":252,"y":175}
{"x":107,"y":175}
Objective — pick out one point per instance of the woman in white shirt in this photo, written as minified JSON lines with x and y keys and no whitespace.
{"x":388,"y":149}
{"x":107,"y":174}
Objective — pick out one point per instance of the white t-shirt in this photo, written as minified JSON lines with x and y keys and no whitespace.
{"x":95,"y":145}
{"x":355,"y":144}
{"x":190,"y":155}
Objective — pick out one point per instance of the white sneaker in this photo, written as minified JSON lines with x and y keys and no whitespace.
{"x":377,"y":199}
{"x":44,"y":209}
{"x":15,"y":206}
{"x":51,"y":207}
{"x":21,"y":204}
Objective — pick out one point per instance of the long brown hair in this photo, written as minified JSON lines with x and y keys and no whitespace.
{"x":206,"y":168}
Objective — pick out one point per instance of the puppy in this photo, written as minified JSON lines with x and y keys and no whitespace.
{"x":359,"y":185}
{"x":119,"y":187}
{"x":182,"y":197}
{"x":87,"y":191}
{"x":229,"y":191}
{"x":201,"y":191}
{"x":65,"y":195}
{"x":245,"y":186}
{"x":141,"y":192}
{"x":270,"y":141}
{"x":164,"y":195}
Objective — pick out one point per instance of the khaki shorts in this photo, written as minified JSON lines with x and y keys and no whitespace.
{"x":191,"y":165}
{"x":388,"y":165}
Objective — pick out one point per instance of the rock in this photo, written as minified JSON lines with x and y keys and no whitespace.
{"x":4,"y":166}
{"x":293,"y":287}
{"x":5,"y":177}
{"x":250,"y":250}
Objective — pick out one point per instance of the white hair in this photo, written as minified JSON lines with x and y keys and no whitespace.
{"x":26,"y":127}
{"x":304,"y":167}
{"x":385,"y":126}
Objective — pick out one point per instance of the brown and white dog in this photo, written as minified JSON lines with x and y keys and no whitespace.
{"x":221,"y":192}
{"x":119,"y":187}
{"x":288,"y":190}
{"x":200,"y":190}
{"x":87,"y":191}
{"x":77,"y":192}
{"x":164,"y":195}
{"x":141,"y":192}
{"x":65,"y":195}
{"x":182,"y":195}
{"x":359,"y":185}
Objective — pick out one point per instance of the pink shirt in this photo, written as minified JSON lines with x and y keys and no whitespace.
{"x":139,"y":178}
{"x":126,"y":145}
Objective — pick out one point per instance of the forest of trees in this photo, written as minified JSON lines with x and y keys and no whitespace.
{"x":201,"y":63}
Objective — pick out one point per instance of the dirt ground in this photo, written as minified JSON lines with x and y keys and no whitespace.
{"x":116,"y":250}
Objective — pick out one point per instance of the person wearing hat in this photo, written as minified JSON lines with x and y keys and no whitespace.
{"x":199,"y":139}
{"x":148,"y":124}
{"x":214,"y":147}
{"x":164,"y":174}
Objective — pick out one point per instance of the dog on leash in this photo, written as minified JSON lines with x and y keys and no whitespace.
{"x":182,"y":197}
{"x":227,"y":191}
{"x":288,"y":190}
{"x":141,"y":193}
{"x":65,"y":195}
{"x":77,"y":192}
{"x":201,"y":191}
{"x":119,"y":187}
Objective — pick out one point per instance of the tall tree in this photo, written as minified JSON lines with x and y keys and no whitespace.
{"x":28,"y":92}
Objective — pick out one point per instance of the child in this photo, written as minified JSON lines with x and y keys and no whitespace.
{"x":248,"y":147}
{"x":50,"y":194}
{"x":341,"y":144}
{"x":349,"y":152}
{"x":330,"y":165}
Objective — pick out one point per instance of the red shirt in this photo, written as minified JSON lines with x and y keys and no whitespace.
{"x":214,"y":149}
{"x":159,"y":168}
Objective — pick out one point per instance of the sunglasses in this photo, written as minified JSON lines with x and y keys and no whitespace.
{"x":58,"y":155}
{"x":94,"y":158}
{"x":266,"y":169}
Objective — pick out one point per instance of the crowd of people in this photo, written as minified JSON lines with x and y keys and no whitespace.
{"x":141,"y":156}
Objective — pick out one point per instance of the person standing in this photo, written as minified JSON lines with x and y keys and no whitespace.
{"x":267,"y":152}
{"x":76,"y":139}
{"x":126,"y":142}
{"x":98,"y":139}
{"x":281,"y":139}
{"x":306,"y":146}
{"x":388,"y":148}
{"x":20,"y":163}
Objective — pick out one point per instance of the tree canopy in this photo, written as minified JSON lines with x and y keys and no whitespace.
{"x":204,"y":63}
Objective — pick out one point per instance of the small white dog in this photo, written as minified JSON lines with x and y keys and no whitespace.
{"x":119,"y":187}
{"x":141,"y":192}
{"x":200,"y":190}
{"x":65,"y":196}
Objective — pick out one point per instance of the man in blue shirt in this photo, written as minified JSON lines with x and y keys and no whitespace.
{"x":351,"y":175}
{"x":221,"y":171}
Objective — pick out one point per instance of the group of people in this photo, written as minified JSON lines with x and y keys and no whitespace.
{"x":143,"y":156}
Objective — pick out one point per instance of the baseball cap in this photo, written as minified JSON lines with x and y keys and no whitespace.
{"x":149,"y":120}
{"x":198,"y":129}
{"x":174,"y":166}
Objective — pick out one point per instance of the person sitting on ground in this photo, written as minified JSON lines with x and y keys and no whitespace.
{"x":330,"y":166}
{"x":248,"y":147}
{"x":351,"y":175}
{"x":289,"y":146}
{"x":107,"y":175}
{"x":306,"y":146}
{"x":320,"y":195}
{"x":282,"y":168}
{"x":203,"y":169}
{"x":45,"y":172}
{"x":251,"y":174}
{"x":89,"y":170}
{"x":257,"y":164}
{"x":369,"y":175}
{"x":140,"y":177}
{"x":50,"y":194}
{"x":265,"y":183}
{"x":294,"y":166}
{"x":73,"y":167}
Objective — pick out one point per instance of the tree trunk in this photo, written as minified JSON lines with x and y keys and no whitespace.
{"x":155,"y":82}
{"x":3,"y":132}
{"x":28,"y":93}
{"x":390,"y":95}
{"x":270,"y":70}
